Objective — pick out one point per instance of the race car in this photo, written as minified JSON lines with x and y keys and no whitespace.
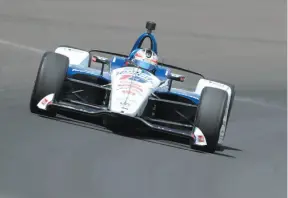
{"x":127,"y":94}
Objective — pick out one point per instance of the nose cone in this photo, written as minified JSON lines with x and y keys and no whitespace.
{"x":128,"y":102}
{"x":131,"y":90}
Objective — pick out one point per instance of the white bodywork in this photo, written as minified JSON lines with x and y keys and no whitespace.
{"x":45,"y":101}
{"x":131,"y":88}
{"x":76,"y":56}
{"x":208,"y":83}
{"x":200,"y":139}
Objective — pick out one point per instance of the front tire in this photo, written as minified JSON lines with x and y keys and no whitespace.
{"x":210,"y":114}
{"x":50,"y":78}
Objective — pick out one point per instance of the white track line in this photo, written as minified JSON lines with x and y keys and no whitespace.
{"x":240,"y":99}
{"x":260,"y":102}
{"x":20,"y":46}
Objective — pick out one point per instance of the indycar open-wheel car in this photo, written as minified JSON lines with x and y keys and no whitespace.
{"x":67,"y":82}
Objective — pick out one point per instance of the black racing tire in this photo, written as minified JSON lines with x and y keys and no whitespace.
{"x":209,"y":116}
{"x":50,"y":78}
{"x":233,"y":92}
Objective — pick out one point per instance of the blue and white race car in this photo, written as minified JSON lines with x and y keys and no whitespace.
{"x":124,"y":92}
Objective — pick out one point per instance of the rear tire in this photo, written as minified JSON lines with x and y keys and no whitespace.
{"x":50,"y":78}
{"x":209,"y":116}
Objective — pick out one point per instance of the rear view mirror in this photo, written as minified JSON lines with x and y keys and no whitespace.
{"x":176,"y":77}
{"x":99,"y":59}
{"x":102,"y":60}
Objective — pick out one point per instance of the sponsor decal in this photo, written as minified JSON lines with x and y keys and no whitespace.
{"x":77,"y":70}
{"x":130,"y":86}
{"x":84,"y":71}
{"x":201,"y":138}
{"x":141,"y":78}
{"x":130,"y":92}
{"x":44,"y":101}
{"x":137,"y":91}
{"x":139,"y":73}
{"x":138,"y":79}
{"x":125,"y":77}
{"x":139,"y":82}
{"x":47,"y":100}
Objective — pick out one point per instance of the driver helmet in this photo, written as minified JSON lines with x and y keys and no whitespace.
{"x":145,"y":58}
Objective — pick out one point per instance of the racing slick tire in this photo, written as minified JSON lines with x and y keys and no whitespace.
{"x":50,"y":78}
{"x":209,"y":116}
{"x":233,"y":92}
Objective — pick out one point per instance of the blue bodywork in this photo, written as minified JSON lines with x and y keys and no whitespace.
{"x":117,"y":62}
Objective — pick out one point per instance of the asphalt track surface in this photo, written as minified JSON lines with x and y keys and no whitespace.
{"x":242,"y":42}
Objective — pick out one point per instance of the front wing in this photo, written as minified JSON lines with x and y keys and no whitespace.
{"x":193,"y":133}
